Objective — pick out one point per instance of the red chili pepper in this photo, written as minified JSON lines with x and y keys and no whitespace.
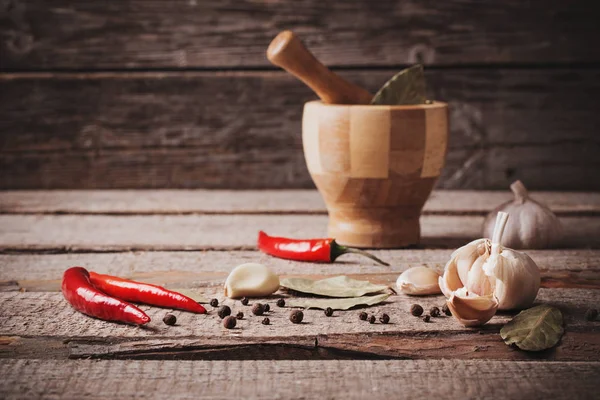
{"x":316,"y":250}
{"x":139,"y":292}
{"x":84,"y":297}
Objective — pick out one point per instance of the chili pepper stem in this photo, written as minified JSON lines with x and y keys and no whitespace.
{"x":337,"y":250}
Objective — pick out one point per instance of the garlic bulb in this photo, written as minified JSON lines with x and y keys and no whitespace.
{"x":418,"y":281}
{"x":483,"y":276}
{"x":532,"y":225}
{"x":251,"y":280}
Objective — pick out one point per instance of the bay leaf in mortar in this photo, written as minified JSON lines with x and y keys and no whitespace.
{"x":535,"y":329}
{"x":406,"y":87}
{"x":338,"y":286}
{"x":337,"y":304}
{"x":193,"y":294}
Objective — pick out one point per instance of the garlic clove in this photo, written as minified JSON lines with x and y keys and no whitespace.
{"x":532,"y":225}
{"x":470,"y":309}
{"x":419,"y":281}
{"x":251,"y":280}
{"x":456,"y":271}
{"x":466,"y":256}
{"x":477,"y":281}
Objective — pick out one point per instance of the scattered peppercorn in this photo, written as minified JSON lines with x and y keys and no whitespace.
{"x":296,"y":316}
{"x":170,"y":319}
{"x":266,"y":321}
{"x":258,"y":309}
{"x":363,"y":316}
{"x":372,"y":319}
{"x":229,"y":322}
{"x":224,"y":311}
{"x":266,"y":308}
{"x":446,"y":310}
{"x":329,"y":311}
{"x":245,"y":301}
{"x":591,"y":314}
{"x":384,"y":319}
{"x":240,"y":315}
{"x":426,"y":318}
{"x":214,"y":303}
{"x":434,"y":312}
{"x":416,"y":310}
{"x":281,"y":303}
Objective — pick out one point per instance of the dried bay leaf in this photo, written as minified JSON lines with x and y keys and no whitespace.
{"x":338,"y":286}
{"x":406,"y":87}
{"x":339,"y":303}
{"x":535,"y":329}
{"x":192,"y":294}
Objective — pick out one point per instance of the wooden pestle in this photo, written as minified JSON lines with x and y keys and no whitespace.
{"x":288,"y":52}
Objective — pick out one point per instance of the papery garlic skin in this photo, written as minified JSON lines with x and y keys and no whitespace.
{"x":251,"y":280}
{"x":483,"y":276}
{"x":418,"y":281}
{"x":532,"y":225}
{"x":470,"y":309}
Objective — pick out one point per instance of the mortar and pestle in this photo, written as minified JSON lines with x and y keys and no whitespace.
{"x":374,"y":165}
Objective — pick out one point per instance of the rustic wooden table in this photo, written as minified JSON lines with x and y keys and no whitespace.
{"x":192,"y":239}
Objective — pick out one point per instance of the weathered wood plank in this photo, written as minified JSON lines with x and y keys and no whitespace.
{"x":205,"y":232}
{"x":197,"y":129}
{"x":48,"y":315}
{"x":124,"y":202}
{"x":35,"y":272}
{"x":448,"y":379}
{"x":136,"y":33}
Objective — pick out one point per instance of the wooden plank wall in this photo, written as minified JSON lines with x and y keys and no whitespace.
{"x":178,"y":94}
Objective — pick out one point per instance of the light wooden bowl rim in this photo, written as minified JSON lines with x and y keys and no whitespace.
{"x":434,"y":105}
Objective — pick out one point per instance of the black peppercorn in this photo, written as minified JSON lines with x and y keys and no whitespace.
{"x":591,"y":314}
{"x":384,"y":319}
{"x":266,"y":308}
{"x":446,"y":310}
{"x":214,"y":303}
{"x":240,"y":315}
{"x":434,"y":312}
{"x":296,"y":316}
{"x":170,"y":319}
{"x":258,"y":309}
{"x":363,"y":316}
{"x":224,"y":311}
{"x":281,"y":303}
{"x":416,"y":310}
{"x":229,"y":322}
{"x":266,"y":321}
{"x":426,"y":318}
{"x":245,"y":301}
{"x":372,"y":319}
{"x":329,"y":311}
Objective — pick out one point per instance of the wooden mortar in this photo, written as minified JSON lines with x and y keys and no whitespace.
{"x":375,"y":167}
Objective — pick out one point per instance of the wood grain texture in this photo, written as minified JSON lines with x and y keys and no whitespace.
{"x":371,"y":202}
{"x":42,"y":272}
{"x":449,"y":379}
{"x":141,"y":33}
{"x":48,"y":315}
{"x":200,"y":129}
{"x":127,"y":202}
{"x":205,"y":232}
